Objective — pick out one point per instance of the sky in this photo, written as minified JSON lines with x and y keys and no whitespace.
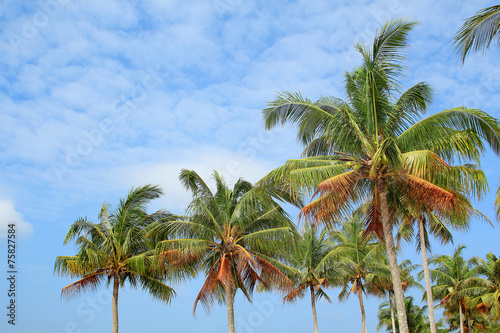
{"x":97,"y":97}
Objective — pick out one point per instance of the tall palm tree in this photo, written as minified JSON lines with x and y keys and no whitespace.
{"x":358,"y":255}
{"x":478,"y":31}
{"x":372,"y":146}
{"x":437,"y":224}
{"x":115,"y":250}
{"x":452,"y":275}
{"x":312,"y":267}
{"x":380,"y":282}
{"x":236,"y":235}
{"x":427,"y":220}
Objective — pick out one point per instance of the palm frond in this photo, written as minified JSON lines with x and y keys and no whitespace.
{"x":89,"y":282}
{"x":478,"y":31}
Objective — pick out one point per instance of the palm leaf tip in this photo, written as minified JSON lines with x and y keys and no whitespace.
{"x":90,"y":282}
{"x":478,"y":32}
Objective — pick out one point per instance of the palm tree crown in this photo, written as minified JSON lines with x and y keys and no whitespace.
{"x":235,"y":235}
{"x":452,"y":275}
{"x":117,"y":249}
{"x":489,"y":288}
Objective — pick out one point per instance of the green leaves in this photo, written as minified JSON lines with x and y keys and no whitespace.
{"x":477,"y":32}
{"x":235,"y":235}
{"x":389,"y":43}
{"x":312,"y":264}
{"x":119,"y":246}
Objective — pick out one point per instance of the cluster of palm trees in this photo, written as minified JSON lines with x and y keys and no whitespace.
{"x":372,"y":153}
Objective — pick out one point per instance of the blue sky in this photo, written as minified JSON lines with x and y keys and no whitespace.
{"x":99,"y":96}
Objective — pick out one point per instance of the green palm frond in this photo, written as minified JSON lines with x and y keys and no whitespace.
{"x":389,"y":43}
{"x":411,"y":104}
{"x":459,"y":119}
{"x":478,"y":32}
{"x":156,"y":288}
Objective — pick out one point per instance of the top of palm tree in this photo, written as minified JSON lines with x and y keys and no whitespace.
{"x":418,"y":322}
{"x":117,"y":247}
{"x":235,"y":234}
{"x":376,"y":134}
{"x":311,"y":264}
{"x":478,"y":32}
{"x":453,"y":275}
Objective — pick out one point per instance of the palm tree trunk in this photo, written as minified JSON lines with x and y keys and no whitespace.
{"x":313,"y":304}
{"x":392,"y":314}
{"x":392,"y":258}
{"x":461,"y":319}
{"x":469,"y":328}
{"x":114,"y":306}
{"x":230,"y":307}
{"x":362,"y":308}
{"x":428,"y":288}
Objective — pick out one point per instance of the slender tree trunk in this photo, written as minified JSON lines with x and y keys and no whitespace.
{"x":392,"y":258}
{"x":392,"y":314}
{"x":114,"y":306}
{"x":230,"y":307}
{"x":362,"y":308}
{"x":313,"y":304}
{"x":469,"y":328}
{"x":461,"y":319}
{"x":428,"y":288}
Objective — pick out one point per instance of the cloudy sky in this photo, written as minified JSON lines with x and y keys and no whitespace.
{"x":99,"y":96}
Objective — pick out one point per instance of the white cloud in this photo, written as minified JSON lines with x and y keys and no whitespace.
{"x":204,"y":160}
{"x":9,"y":215}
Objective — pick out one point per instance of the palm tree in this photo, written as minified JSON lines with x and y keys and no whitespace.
{"x":236,"y":235}
{"x":489,"y":288}
{"x":452,"y":275}
{"x":311,"y":264}
{"x":359,"y":255}
{"x":478,"y":31}
{"x":380,"y":282}
{"x":471,"y":315}
{"x":436,"y":223}
{"x":373,"y":146}
{"x":115,"y":250}
{"x":417,"y":320}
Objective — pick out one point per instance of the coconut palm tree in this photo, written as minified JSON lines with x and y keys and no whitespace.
{"x":312,"y":267}
{"x":453,"y":274}
{"x":417,"y":320}
{"x":437,"y":224}
{"x":380,"y":282}
{"x":236,"y":236}
{"x":115,"y":250}
{"x":473,"y":319}
{"x":373,"y":146}
{"x":359,"y":256}
{"x":478,"y":31}
{"x":425,"y":221}
{"x":489,"y":289}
